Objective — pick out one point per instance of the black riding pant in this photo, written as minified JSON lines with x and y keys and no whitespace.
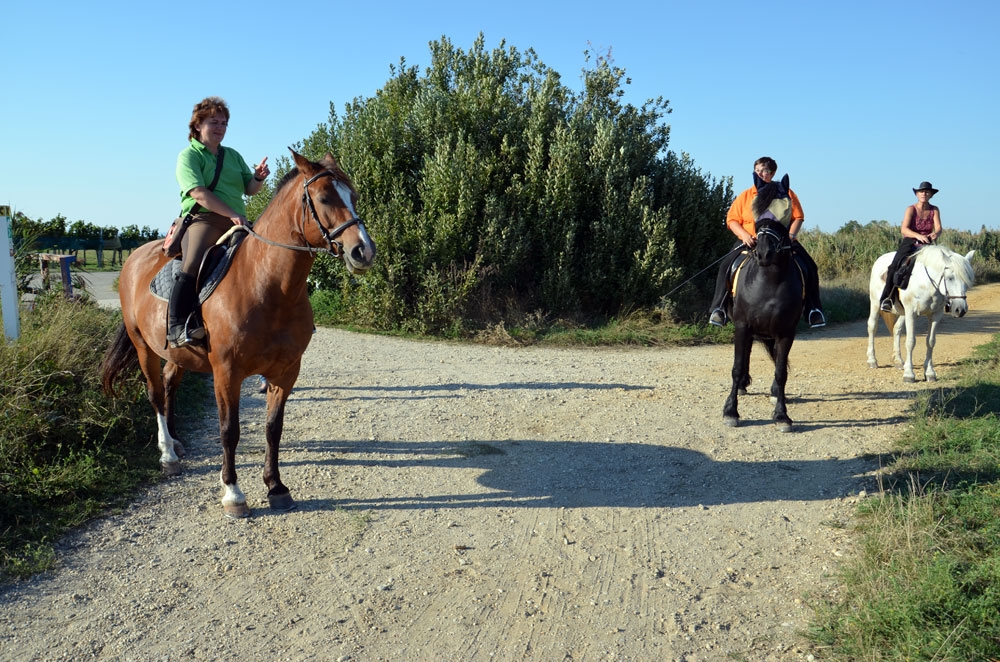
{"x":724,"y":283}
{"x":907,"y":247}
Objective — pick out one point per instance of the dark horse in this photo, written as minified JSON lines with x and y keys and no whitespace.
{"x":767,"y":302}
{"x":258,"y":318}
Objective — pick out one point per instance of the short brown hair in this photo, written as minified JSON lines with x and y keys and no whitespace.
{"x":203,"y":110}
{"x":767,"y":162}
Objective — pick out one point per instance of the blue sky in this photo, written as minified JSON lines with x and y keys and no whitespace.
{"x":857,"y":101}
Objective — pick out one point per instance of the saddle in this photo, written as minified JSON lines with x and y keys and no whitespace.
{"x":214,"y":266}
{"x":740,"y":262}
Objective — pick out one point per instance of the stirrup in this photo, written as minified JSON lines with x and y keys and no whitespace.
{"x":886,"y":306}
{"x":816,"y":318}
{"x":717,"y":318}
{"x":180,"y":335}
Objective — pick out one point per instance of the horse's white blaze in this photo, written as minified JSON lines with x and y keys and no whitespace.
{"x":345,"y":195}
{"x":233,"y":495}
{"x":165,"y":442}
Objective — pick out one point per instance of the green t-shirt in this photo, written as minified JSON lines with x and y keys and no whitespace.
{"x":196,"y":167}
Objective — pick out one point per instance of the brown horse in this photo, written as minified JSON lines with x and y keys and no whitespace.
{"x":258,"y":319}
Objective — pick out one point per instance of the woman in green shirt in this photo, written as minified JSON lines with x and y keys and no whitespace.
{"x":213,"y":209}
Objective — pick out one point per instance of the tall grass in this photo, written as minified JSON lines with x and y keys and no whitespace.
{"x":67,"y":452}
{"x":925,"y":584}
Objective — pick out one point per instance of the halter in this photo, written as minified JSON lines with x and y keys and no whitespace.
{"x":333,"y":246}
{"x":937,"y":288}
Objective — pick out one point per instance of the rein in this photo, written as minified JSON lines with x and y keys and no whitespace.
{"x":333,"y":246}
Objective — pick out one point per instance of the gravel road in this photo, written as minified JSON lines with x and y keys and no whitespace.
{"x":463,"y":502}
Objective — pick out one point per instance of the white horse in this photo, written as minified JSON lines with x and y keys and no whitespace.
{"x":937,"y":286}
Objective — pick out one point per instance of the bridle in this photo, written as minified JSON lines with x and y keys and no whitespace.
{"x":333,"y":247}
{"x":783,"y":243}
{"x":937,"y":288}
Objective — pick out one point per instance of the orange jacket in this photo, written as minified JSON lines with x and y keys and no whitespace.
{"x":742,"y":210}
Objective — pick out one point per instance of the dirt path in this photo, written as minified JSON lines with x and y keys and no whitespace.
{"x":461,"y":502}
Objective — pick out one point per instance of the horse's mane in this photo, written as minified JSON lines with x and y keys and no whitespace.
{"x":940,"y":258}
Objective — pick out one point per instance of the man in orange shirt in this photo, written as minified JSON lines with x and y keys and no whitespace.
{"x":741,"y":222}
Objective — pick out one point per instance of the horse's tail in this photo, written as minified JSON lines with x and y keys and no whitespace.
{"x":120,"y":357}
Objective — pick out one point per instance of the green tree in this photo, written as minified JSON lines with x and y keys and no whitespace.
{"x":492,"y":190}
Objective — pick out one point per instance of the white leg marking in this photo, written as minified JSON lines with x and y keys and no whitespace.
{"x":233,"y":495}
{"x":165,"y":442}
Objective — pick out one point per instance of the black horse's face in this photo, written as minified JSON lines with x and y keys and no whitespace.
{"x":772,"y":240}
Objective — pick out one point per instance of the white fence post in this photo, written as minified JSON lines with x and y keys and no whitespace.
{"x":9,"y":298}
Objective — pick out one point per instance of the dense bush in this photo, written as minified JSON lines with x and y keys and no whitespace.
{"x":492,"y":191}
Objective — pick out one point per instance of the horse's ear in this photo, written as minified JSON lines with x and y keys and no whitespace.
{"x":304,"y":164}
{"x":784,"y":181}
{"x":968,"y":256}
{"x":758,"y":183}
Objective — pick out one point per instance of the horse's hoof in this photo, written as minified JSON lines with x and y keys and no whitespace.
{"x":908,"y":380}
{"x":784,"y":426}
{"x":730,"y":421}
{"x":283,"y":502}
{"x":236,"y":510}
{"x":932,"y":378}
{"x":170,"y":468}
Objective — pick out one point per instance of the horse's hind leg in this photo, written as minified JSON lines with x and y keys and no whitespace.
{"x":169,"y":458}
{"x":172,"y":374}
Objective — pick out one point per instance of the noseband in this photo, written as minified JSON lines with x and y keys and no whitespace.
{"x":330,"y":236}
{"x":782,"y":242}
{"x":937,"y":288}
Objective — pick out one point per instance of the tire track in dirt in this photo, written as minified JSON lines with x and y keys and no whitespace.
{"x":465,"y":502}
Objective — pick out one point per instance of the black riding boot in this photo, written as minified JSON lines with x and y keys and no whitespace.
{"x":183,"y":327}
{"x":722,"y":302}
{"x":888,"y":292}
{"x":813,"y":307}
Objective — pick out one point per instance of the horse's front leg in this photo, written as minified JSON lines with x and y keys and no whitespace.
{"x":783,"y":348}
{"x":911,"y":342}
{"x":278,"y":496}
{"x":227,"y":397}
{"x":929,"y":373}
{"x":742,"y":344}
